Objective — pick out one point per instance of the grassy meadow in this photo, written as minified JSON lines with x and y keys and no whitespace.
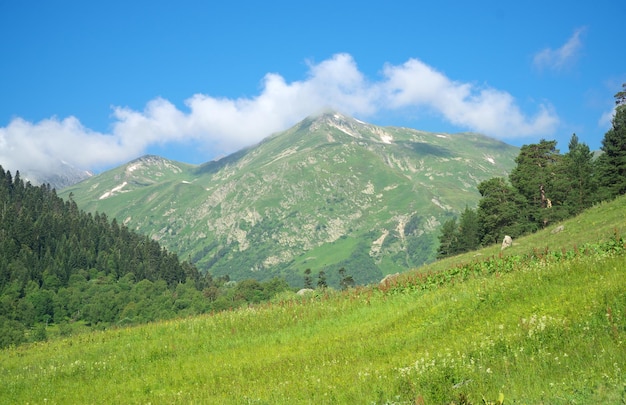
{"x":542,"y":322}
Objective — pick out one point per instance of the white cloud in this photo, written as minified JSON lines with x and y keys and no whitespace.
{"x":606,"y":119}
{"x":481,"y":109}
{"x":226,"y":125}
{"x":561,"y":58}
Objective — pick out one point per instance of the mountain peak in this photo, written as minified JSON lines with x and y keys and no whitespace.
{"x":332,"y":117}
{"x":59,"y":176}
{"x":148,"y":159}
{"x":331,"y":121}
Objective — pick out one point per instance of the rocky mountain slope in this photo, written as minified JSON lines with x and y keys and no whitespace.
{"x":330,"y":192}
{"x":60,"y":176}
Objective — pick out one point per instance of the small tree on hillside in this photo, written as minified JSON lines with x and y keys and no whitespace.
{"x":448,"y":239}
{"x":308,"y":281}
{"x":469,"y":231}
{"x":321,"y":280}
{"x":345,"y":280}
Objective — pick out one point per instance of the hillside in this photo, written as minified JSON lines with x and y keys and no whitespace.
{"x":330,"y":192}
{"x":544,"y":323}
{"x":62,"y":267}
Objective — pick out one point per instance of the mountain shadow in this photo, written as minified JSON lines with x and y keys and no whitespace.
{"x":215,"y":166}
{"x":422,"y":148}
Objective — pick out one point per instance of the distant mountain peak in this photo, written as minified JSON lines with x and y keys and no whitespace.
{"x":59,"y":176}
{"x":333,"y":117}
{"x":150,"y":163}
{"x":331,"y":120}
{"x":148,"y":159}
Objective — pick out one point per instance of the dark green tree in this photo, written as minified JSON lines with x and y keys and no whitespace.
{"x":469,"y":231}
{"x":536,"y":177}
{"x":448,"y":239}
{"x":611,"y":164}
{"x":11,"y":332}
{"x":345,"y":280}
{"x":500,"y":211}
{"x":308,"y":281}
{"x":321,"y":279}
{"x":579,"y":173}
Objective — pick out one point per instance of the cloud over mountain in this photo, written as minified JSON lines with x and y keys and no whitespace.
{"x":226,"y":124}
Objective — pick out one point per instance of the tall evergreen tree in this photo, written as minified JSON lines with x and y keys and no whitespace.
{"x":611,"y":164}
{"x":469,"y":231}
{"x":448,"y":239}
{"x":500,"y":211}
{"x":581,"y":180}
{"x":536,"y":177}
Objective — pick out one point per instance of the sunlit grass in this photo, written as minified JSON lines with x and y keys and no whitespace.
{"x":550,"y":329}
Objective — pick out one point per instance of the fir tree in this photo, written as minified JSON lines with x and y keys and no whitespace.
{"x":321,"y":279}
{"x":469,"y":231}
{"x":580,"y":177}
{"x":308,"y":281}
{"x":500,"y":211}
{"x":611,"y":165}
{"x":448,"y":239}
{"x":345,"y":280}
{"x":536,"y":178}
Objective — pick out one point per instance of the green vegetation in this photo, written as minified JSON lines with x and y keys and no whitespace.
{"x":544,"y":188}
{"x":542,"y":322}
{"x":330,"y":192}
{"x":63,"y":267}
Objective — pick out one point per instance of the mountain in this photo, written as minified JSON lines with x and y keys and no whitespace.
{"x":329,"y":192}
{"x":60,"y":176}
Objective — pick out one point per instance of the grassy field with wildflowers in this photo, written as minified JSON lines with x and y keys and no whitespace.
{"x":541,"y":322}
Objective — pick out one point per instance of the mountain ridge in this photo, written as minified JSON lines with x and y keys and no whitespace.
{"x":330,"y":191}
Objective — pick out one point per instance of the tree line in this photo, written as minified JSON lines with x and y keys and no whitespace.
{"x":545,"y":187}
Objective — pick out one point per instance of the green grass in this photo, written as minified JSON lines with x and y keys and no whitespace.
{"x":536,"y":326}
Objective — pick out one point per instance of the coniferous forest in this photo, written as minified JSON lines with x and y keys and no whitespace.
{"x":62,"y":267}
{"x":544,"y":188}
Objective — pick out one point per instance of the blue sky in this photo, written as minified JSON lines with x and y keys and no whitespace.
{"x":96,"y":84}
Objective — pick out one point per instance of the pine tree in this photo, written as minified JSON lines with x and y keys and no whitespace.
{"x":611,"y":165}
{"x":539,"y":179}
{"x":448,"y":239}
{"x":321,"y":279}
{"x":308,"y":281}
{"x":469,"y":231}
{"x":345,"y":280}
{"x":501,"y":211}
{"x":581,"y":180}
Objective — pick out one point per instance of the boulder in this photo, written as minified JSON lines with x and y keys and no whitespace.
{"x":558,"y":229}
{"x":304,"y":291}
{"x":388,"y":278}
{"x":506,"y":242}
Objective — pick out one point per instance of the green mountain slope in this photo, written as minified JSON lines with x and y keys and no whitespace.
{"x":535,"y":327}
{"x":330,"y":192}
